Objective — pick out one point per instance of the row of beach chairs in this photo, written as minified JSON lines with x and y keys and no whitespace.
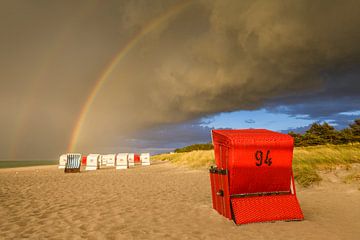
{"x":71,"y":162}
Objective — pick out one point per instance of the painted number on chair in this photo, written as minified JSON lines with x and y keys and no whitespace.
{"x":259,"y":157}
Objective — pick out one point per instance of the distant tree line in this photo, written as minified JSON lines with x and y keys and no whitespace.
{"x":317,"y":134}
{"x":320,"y":134}
{"x":194,"y":147}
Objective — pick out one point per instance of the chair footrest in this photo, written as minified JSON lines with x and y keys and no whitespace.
{"x":266,"y":208}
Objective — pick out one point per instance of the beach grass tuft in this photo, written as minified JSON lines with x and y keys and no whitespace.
{"x":354,"y":177}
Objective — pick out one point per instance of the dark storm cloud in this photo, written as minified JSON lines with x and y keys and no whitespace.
{"x":339,"y":93}
{"x":160,"y":139}
{"x":212,"y":56}
{"x":169,"y":137}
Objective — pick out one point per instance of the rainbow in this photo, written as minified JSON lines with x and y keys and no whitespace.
{"x":149,"y":27}
{"x":26,"y":108}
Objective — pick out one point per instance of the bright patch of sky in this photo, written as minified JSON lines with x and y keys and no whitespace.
{"x":354,"y":113}
{"x":257,"y":119}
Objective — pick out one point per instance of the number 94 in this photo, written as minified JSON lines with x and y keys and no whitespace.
{"x":259,"y":156}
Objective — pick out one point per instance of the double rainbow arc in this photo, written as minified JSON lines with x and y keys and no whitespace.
{"x":151,"y":26}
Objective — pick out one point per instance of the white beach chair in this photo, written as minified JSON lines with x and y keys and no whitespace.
{"x":111,"y":160}
{"x":103,"y":160}
{"x":131,"y":159}
{"x":145,"y":159}
{"x":92,"y":162}
{"x":122,"y":161}
{"x":62,"y":161}
{"x":73,"y":162}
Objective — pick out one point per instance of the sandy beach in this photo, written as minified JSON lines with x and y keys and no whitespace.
{"x":162,"y":201}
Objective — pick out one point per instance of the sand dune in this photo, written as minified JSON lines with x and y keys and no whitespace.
{"x":162,"y":201}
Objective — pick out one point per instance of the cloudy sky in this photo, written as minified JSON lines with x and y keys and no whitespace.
{"x":113,"y":76}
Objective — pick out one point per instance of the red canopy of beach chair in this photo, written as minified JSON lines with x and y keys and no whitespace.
{"x":136,"y":158}
{"x":83,"y":161}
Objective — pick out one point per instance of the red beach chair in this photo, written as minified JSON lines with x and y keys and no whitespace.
{"x":136,"y":158}
{"x":253,"y":179}
{"x":83,"y":160}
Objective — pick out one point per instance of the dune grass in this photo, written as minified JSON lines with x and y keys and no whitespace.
{"x":352,"y":177}
{"x":306,"y":163}
{"x":308,"y":160}
{"x":194,"y":159}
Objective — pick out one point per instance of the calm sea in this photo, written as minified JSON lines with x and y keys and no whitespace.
{"x":14,"y":164}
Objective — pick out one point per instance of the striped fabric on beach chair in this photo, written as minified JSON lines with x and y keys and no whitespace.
{"x":73,"y":163}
